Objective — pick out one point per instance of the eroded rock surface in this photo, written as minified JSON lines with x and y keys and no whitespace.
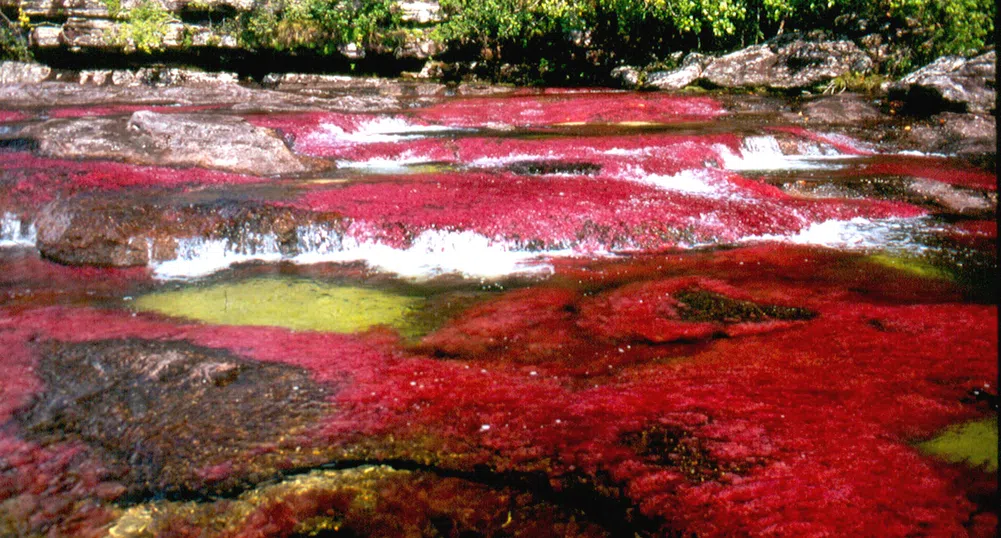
{"x":786,"y":63}
{"x":120,"y":231}
{"x":205,"y":140}
{"x":173,"y":415}
{"x":951,"y":83}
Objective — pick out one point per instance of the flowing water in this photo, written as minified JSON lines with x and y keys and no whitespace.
{"x":536,"y":313}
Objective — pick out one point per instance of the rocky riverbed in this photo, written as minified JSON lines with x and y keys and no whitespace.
{"x":317,"y":305}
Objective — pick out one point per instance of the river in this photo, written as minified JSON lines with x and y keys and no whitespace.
{"x":491,"y":312}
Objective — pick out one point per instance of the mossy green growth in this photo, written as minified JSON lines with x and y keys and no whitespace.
{"x":297,"y":304}
{"x":914,"y":266}
{"x":973,"y":443}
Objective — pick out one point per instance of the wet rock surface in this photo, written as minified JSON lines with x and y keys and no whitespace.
{"x":121,"y":231}
{"x":174,"y":416}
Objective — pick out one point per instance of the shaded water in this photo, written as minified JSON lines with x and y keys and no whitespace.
{"x":539,"y":313}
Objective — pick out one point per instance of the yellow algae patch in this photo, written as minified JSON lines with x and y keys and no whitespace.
{"x":973,"y":443}
{"x":358,"y":488}
{"x":298,"y":304}
{"x":913,"y":266}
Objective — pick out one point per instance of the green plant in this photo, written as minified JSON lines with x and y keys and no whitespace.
{"x":319,"y":25}
{"x":13,"y":41}
{"x":145,"y":27}
{"x":854,"y":82}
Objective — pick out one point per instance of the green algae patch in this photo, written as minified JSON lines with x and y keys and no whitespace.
{"x":913,"y":266}
{"x":973,"y":443}
{"x":298,"y":304}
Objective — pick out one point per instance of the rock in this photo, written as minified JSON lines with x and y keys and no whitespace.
{"x":212,"y":141}
{"x":950,"y":83}
{"x":174,"y":416}
{"x":690,"y":71}
{"x":92,"y":234}
{"x":23,"y":73}
{"x":627,"y":75}
{"x":419,"y":12}
{"x":954,"y":199}
{"x":123,"y":230}
{"x":784,"y":64}
{"x":844,"y":109}
{"x":954,"y":133}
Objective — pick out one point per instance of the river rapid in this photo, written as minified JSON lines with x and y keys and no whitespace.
{"x":363,"y":308}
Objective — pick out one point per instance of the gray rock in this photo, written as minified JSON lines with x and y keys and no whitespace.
{"x":213,"y":141}
{"x":790,"y":63}
{"x":691,"y":70}
{"x":844,"y":109}
{"x":627,"y":75}
{"x":22,"y":73}
{"x":950,"y":83}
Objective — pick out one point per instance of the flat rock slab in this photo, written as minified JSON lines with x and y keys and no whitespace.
{"x":213,"y":141}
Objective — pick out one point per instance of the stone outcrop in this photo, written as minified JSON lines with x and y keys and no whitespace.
{"x":23,"y":73}
{"x":951,"y":83}
{"x":787,"y":63}
{"x":212,"y":141}
{"x":122,"y":231}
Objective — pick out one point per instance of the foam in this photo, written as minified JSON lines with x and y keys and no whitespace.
{"x":432,"y":253}
{"x":383,"y":129}
{"x":858,"y":233}
{"x":763,"y":153}
{"x":15,"y":232}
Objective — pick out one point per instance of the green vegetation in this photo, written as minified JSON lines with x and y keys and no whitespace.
{"x":292,"y":303}
{"x":13,"y":38}
{"x":648,"y":31}
{"x":322,"y":26}
{"x":974,"y":443}
{"x":145,"y":26}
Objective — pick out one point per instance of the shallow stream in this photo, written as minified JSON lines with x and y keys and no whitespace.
{"x":527,"y":313}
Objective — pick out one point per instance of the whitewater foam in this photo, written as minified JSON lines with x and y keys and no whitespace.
{"x":382,"y":129}
{"x":763,"y":153}
{"x":432,"y":253}
{"x":15,"y":232}
{"x":891,"y":234}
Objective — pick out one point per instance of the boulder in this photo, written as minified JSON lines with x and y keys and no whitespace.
{"x":122,"y":230}
{"x":214,"y":141}
{"x":690,"y":70}
{"x":627,"y":75}
{"x":788,"y":63}
{"x":950,"y":83}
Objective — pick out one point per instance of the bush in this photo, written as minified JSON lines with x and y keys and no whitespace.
{"x":626,"y":31}
{"x":145,"y":26}
{"x":13,"y":38}
{"x":319,"y":25}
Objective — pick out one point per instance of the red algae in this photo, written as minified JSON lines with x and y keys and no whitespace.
{"x":936,"y":169}
{"x":30,"y":182}
{"x":9,"y":116}
{"x":527,"y":111}
{"x":585,"y":213}
{"x":803,"y":430}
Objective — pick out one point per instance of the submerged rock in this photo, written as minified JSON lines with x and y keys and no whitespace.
{"x":213,"y":141}
{"x":950,"y":83}
{"x":175,"y":416}
{"x":374,"y":501}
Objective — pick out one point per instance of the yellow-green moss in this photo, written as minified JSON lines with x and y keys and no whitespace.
{"x":914,"y":266}
{"x":973,"y":443}
{"x":292,"y":303}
